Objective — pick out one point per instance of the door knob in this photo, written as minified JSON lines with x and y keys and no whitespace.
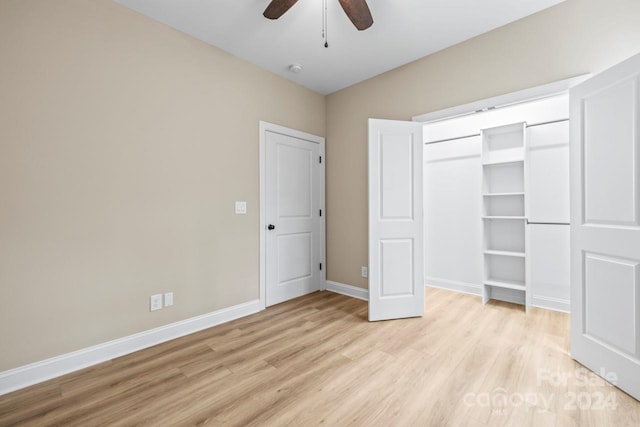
{"x":271,"y":227}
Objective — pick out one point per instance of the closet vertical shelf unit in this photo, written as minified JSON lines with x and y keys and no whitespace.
{"x":503,"y":210}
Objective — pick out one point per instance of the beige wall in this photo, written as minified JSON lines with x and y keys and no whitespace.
{"x":123,"y":145}
{"x":573,"y":38}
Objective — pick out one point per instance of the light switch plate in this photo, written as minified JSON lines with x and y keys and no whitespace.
{"x":364,"y":272}
{"x":168,"y":299}
{"x":241,"y":208}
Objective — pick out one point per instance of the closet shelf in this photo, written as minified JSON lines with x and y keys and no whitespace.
{"x":506,"y":284}
{"x":504,"y":217}
{"x":505,"y":253}
{"x":503,"y":201}
{"x":520,"y":193}
{"x":502,"y":162}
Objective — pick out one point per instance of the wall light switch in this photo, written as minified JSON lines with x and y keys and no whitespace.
{"x":364,"y":272}
{"x":155,"y":302}
{"x":241,"y":208}
{"x":168,"y":299}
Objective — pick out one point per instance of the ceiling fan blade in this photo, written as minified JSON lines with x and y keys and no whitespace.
{"x":358,"y":12}
{"x":277,"y":8}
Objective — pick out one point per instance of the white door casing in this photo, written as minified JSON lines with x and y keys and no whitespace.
{"x":292,"y":214}
{"x":605,"y":224}
{"x":396,"y":273}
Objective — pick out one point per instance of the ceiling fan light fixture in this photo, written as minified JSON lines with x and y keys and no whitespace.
{"x":295,"y":68}
{"x":357,"y":10}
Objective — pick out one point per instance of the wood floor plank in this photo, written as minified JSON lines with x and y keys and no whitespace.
{"x":316,"y":360}
{"x":30,"y":402}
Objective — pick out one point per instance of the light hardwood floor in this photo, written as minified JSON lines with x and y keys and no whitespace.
{"x":317,"y":361}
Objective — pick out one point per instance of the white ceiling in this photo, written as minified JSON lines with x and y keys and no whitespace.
{"x":403,"y":31}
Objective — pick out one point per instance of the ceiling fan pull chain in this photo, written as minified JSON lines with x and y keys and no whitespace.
{"x":322,"y":19}
{"x":325,"y":31}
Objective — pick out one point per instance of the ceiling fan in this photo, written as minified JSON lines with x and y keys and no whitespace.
{"x":357,"y":11}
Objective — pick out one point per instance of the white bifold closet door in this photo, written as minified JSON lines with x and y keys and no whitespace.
{"x":396,"y":276}
{"x":605,"y":225}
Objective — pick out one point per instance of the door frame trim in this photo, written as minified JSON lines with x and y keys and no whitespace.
{"x":270,"y":127}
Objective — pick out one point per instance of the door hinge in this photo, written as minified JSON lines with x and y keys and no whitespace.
{"x":320,"y":159}
{"x":320,"y":266}
{"x":320,"y":212}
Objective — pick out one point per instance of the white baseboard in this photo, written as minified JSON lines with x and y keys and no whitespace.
{"x":363,"y":294}
{"x":15,"y":379}
{"x":549,"y":303}
{"x":506,"y":295}
{"x":465,"y":288}
{"x":348,"y":290}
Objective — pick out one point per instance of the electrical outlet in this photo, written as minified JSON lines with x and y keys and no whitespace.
{"x":155,"y":302}
{"x":364,"y":272}
{"x":168,"y":299}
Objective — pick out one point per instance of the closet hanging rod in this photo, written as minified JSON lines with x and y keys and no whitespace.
{"x":547,"y":123}
{"x":547,"y":223}
{"x":451,"y":139}
{"x":477,"y":134}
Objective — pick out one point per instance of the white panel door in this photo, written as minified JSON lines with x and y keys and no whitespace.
{"x":548,"y":173}
{"x":396,"y":275}
{"x":293,"y":217}
{"x":605,"y":224}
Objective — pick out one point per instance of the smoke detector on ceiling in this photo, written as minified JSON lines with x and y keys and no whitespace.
{"x":295,"y":68}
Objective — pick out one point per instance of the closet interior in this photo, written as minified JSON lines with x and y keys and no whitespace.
{"x":496,"y":203}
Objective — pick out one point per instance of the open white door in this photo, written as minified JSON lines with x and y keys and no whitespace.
{"x":396,"y":274}
{"x":605,"y":224}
